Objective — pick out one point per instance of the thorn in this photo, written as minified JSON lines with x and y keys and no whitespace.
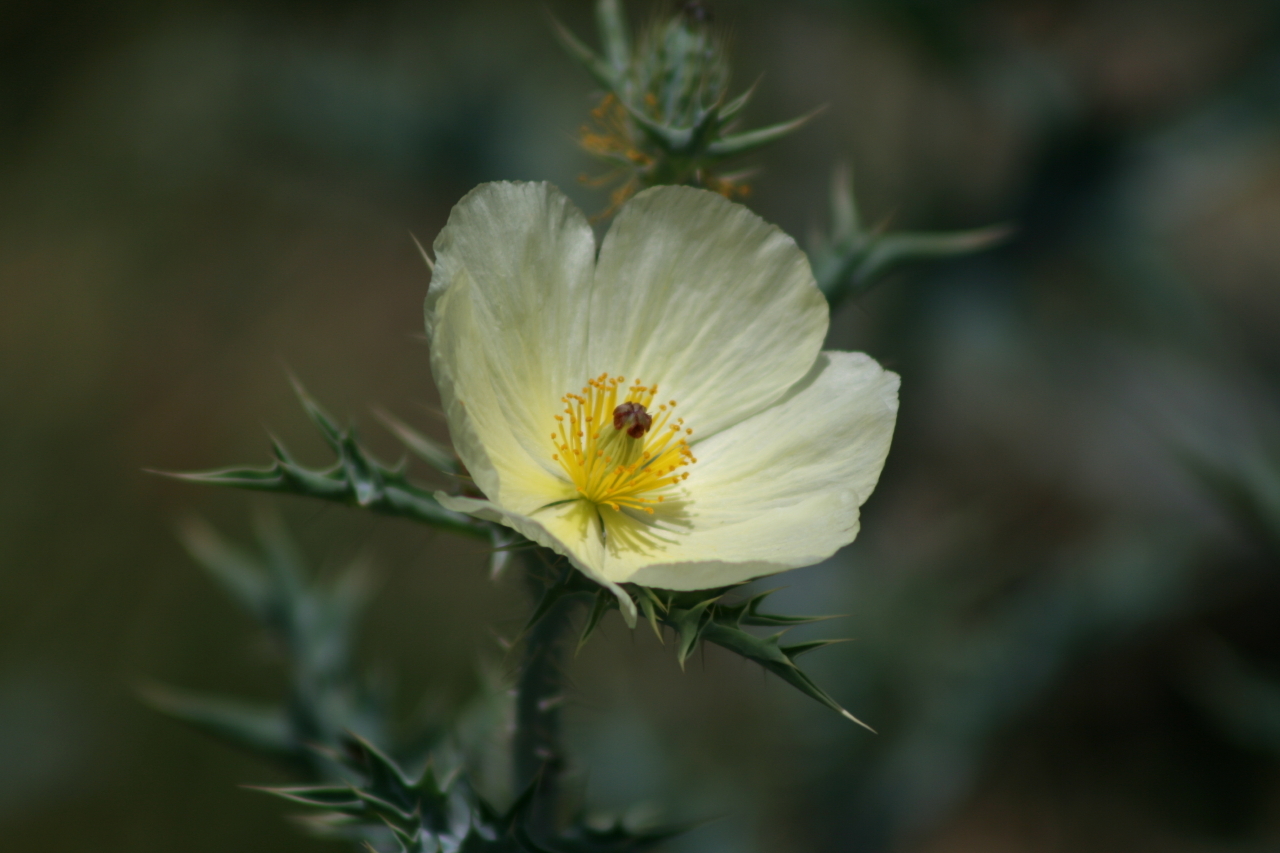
{"x":545,"y":705}
{"x":431,"y":265}
{"x":849,"y":716}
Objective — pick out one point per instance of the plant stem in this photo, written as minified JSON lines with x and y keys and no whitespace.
{"x":539,"y":694}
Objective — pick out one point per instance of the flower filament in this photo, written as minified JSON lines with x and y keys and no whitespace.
{"x":617,"y":450}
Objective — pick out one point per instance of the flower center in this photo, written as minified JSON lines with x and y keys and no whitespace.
{"x":621,"y":452}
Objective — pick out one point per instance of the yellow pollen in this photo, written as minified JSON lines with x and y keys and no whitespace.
{"x":613,"y":467}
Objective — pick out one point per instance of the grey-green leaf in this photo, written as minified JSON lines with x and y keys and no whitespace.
{"x":259,"y":728}
{"x":428,"y":450}
{"x":748,"y":140}
{"x":613,"y":32}
{"x":889,"y":250}
{"x":599,"y":68}
{"x":356,"y":479}
{"x":768,"y":653}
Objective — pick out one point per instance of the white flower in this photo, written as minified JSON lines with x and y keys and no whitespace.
{"x":662,"y":414}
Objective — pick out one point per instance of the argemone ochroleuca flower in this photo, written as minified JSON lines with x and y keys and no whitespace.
{"x":661,"y":414}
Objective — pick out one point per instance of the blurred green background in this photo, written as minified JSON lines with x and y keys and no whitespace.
{"x":1066,"y":596}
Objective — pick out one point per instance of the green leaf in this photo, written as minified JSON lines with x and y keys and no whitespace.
{"x":356,"y":479}
{"x":673,"y":140}
{"x":702,"y":615}
{"x":236,"y":572}
{"x":283,"y":562}
{"x":890,"y":250}
{"x":688,"y":623}
{"x":749,"y":140}
{"x":731,"y":109}
{"x":849,"y":260}
{"x":338,"y":797}
{"x":264,"y":729}
{"x":564,"y":586}
{"x":614,"y":36}
{"x":794,"y":650}
{"x":332,"y":434}
{"x":604,"y":602}
{"x":428,"y":450}
{"x":749,"y":614}
{"x":768,"y":653}
{"x":649,"y":604}
{"x":845,"y":222}
{"x":599,"y":69}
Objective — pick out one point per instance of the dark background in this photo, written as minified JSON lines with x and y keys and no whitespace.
{"x":1065,"y":598}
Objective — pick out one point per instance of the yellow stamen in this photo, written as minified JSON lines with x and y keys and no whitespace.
{"x":648,"y":452}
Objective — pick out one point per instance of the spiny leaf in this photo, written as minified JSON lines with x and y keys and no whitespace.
{"x":503,"y":541}
{"x":740,"y":143}
{"x":768,"y":653}
{"x":234,"y":570}
{"x":283,"y":562}
{"x":356,"y":479}
{"x":599,"y":69}
{"x":566,"y":585}
{"x":394,"y":815}
{"x":428,"y":450}
{"x":851,"y":258}
{"x":889,"y":250}
{"x":845,"y":223}
{"x":604,"y":602}
{"x":263,"y":729}
{"x":341,"y":797}
{"x":613,"y":32}
{"x":318,"y":416}
{"x":732,"y":108}
{"x":648,"y":605}
{"x":688,"y":623}
{"x":385,"y":776}
{"x":751,"y":615}
{"x":701,"y":615}
{"x":794,"y":650}
{"x":674,"y":140}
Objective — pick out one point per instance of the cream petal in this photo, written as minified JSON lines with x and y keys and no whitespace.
{"x":778,"y":491}
{"x":501,"y":458}
{"x":701,"y":296}
{"x":570,"y":529}
{"x":507,"y":317}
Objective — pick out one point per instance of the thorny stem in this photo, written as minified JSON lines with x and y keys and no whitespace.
{"x":539,"y":694}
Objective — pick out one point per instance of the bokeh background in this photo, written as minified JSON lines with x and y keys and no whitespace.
{"x":1065,"y":600}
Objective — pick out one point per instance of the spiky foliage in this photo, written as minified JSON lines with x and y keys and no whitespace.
{"x":850,"y":258}
{"x":311,"y":622}
{"x":356,"y":478}
{"x":334,"y":728}
{"x":704,"y":616}
{"x":666,"y":116}
{"x":393,"y":810}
